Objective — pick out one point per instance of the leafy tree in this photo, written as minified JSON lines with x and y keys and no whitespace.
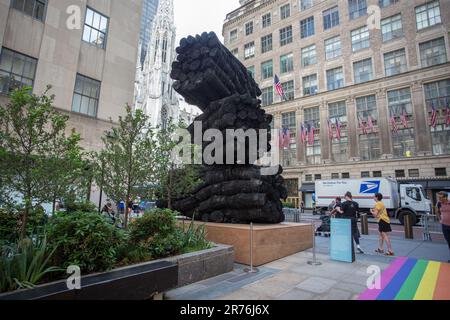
{"x":38,"y":161}
{"x":127,"y":161}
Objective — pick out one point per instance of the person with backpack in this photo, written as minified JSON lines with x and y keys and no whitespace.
{"x":443,"y":214}
{"x":350,"y":210}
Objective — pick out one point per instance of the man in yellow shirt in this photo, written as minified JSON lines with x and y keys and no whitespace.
{"x":384,"y":224}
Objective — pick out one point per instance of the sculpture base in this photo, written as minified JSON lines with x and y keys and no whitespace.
{"x":270,"y":242}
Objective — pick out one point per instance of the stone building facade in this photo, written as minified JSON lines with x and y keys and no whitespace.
{"x":362,"y":65}
{"x":86,"y":50}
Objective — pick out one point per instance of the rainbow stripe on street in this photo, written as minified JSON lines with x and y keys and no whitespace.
{"x":412,"y":279}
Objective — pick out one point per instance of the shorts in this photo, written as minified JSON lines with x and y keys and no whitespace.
{"x":383,"y":226}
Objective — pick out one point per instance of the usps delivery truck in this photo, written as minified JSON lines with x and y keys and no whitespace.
{"x":399,"y":199}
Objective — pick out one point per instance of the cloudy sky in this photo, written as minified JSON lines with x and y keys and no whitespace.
{"x":197,"y":16}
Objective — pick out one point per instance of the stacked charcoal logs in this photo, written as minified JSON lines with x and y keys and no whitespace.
{"x":209,"y":76}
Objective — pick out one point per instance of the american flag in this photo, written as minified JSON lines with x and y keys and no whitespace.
{"x":287,"y":137}
{"x":311,"y":134}
{"x":447,"y":121}
{"x":370,"y":123}
{"x":362,"y":126}
{"x":279,"y":87}
{"x":338,"y":129}
{"x":303,"y":133}
{"x":330,"y":130}
{"x":394,"y":124}
{"x":404,"y":120}
{"x":434,"y":116}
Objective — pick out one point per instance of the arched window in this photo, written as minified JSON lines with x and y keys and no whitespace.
{"x":164,"y":117}
{"x":156,"y":47}
{"x":164,"y":48}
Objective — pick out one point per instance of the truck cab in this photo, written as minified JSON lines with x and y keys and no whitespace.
{"x":413,"y":201}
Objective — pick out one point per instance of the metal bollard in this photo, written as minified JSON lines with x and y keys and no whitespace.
{"x":251,"y":269}
{"x":314,"y":261}
{"x":409,"y":233}
{"x":365,"y":224}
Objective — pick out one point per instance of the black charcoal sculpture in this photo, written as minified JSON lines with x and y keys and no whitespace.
{"x":208,"y":75}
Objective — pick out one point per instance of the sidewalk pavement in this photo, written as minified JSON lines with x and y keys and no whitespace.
{"x":291,"y":278}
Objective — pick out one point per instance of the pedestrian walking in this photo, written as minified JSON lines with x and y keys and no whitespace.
{"x":384,"y":224}
{"x":350,"y":210}
{"x":302,"y":207}
{"x":443,"y":213}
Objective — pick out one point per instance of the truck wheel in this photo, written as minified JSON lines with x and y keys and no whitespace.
{"x":402,"y":215}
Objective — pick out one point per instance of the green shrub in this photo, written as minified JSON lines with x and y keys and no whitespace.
{"x":9,"y":225}
{"x":77,"y":206}
{"x":87,"y":240}
{"x":287,"y":204}
{"x":25,"y":263}
{"x":11,"y":219}
{"x":194,"y":238}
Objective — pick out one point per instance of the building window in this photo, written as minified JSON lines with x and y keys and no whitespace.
{"x":440,"y":172}
{"x":86,"y":95}
{"x":164,"y":49}
{"x":339,"y":148}
{"x":428,"y":15}
{"x":314,"y":152}
{"x":310,"y":85}
{"x":16,"y":70}
{"x":377,"y":174}
{"x":367,"y":107}
{"x":365,"y":174}
{"x":346,"y":175}
{"x":333,"y":48}
{"x":413,"y":173}
{"x":309,"y":56}
{"x":335,"y":176}
{"x":386,"y":3}
{"x":249,"y":28}
{"x":437,"y":94}
{"x":305,"y":4}
{"x":312,"y":117}
{"x":34,"y":8}
{"x":395,"y":62}
{"x":251,"y":71}
{"x":433,"y":52}
{"x":267,"y":96}
{"x":317,"y":177}
{"x":363,"y":70}
{"x":285,"y":36}
{"x":357,"y":8}
{"x":400,"y":174}
{"x":235,"y":52}
{"x":267,"y":70}
{"x":307,"y":27}
{"x":285,"y":11}
{"x":288,"y":121}
{"x":287,"y":63}
{"x":308,"y":177}
{"x":392,"y":28}
{"x":335,"y":79}
{"x":403,"y":143}
{"x":369,"y":147}
{"x":337,"y":111}
{"x":266,"y":43}
{"x":233,"y":35}
{"x":266,"y":20}
{"x":249,"y":50}
{"x":399,"y":102}
{"x":360,"y":39}
{"x":330,"y":18}
{"x":289,"y":91}
{"x":95,"y":28}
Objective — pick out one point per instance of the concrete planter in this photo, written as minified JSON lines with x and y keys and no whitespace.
{"x":137,"y":282}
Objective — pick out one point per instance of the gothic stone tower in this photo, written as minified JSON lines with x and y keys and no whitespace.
{"x":154,"y":93}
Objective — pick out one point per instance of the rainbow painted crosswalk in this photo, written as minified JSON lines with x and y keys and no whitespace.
{"x":412,"y":279}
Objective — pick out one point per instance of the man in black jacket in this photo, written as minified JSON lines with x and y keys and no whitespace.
{"x":349,"y":210}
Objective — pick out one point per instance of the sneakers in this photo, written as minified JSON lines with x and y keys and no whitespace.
{"x":360,"y":251}
{"x":379,"y":251}
{"x":390,"y":254}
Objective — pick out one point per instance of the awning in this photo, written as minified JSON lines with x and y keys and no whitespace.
{"x":443,"y":184}
{"x":308,"y":187}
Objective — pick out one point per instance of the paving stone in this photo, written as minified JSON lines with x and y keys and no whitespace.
{"x":245,"y":294}
{"x":316,"y":284}
{"x":348,"y":286}
{"x":296,"y":294}
{"x":335,"y":294}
